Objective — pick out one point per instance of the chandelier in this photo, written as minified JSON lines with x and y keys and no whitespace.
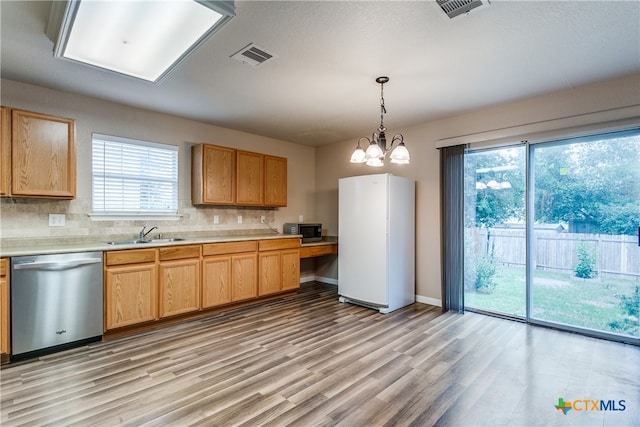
{"x":377,"y":149}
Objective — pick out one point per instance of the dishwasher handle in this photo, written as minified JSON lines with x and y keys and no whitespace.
{"x":54,"y":266}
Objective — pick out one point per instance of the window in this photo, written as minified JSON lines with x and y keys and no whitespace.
{"x":132,"y":177}
{"x":550,"y":233}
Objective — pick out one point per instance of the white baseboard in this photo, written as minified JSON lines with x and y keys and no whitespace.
{"x":430,"y":301}
{"x":314,"y":278}
{"x":307,"y":278}
{"x":329,"y":281}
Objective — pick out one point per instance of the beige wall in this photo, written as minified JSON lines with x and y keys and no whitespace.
{"x":313,"y":173}
{"x":332,"y":161}
{"x":24,"y":218}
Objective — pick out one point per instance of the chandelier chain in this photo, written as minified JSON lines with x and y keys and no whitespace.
{"x":383,"y":110}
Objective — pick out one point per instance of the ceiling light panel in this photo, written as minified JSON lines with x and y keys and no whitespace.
{"x":143,"y":39}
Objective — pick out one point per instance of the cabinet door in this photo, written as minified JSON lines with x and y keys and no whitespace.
{"x":290,"y":269}
{"x":43,"y":161}
{"x":270,"y":273}
{"x":5,"y":152}
{"x":213,"y":174}
{"x":130,"y":295}
{"x":4,"y":306}
{"x":216,"y":281}
{"x":179,"y":287}
{"x":249,"y":178}
{"x":275,"y":181}
{"x":244,"y":276}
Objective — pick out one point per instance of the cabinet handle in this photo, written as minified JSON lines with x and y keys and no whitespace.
{"x":56,"y":265}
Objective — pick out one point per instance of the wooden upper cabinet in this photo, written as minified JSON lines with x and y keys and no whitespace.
{"x":213,"y":172}
{"x":5,"y":152}
{"x":225,"y":176}
{"x":275,"y":181}
{"x":249,"y":178}
{"x":43,"y":159}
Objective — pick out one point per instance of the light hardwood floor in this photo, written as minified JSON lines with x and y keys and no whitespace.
{"x":307,"y":360}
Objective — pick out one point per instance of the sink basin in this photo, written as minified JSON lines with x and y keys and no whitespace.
{"x":173,"y":239}
{"x":143,"y":241}
{"x":128,"y":242}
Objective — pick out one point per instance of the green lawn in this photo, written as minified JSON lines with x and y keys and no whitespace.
{"x":560,"y":297}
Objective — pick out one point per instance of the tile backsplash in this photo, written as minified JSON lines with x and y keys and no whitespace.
{"x":29,"y":219}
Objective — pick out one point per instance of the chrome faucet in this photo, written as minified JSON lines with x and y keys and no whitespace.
{"x":143,"y":234}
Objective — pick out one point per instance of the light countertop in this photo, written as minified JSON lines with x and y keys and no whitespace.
{"x":14,"y":247}
{"x":62,"y":245}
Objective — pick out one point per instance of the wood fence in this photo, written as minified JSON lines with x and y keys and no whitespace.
{"x":617,"y":256}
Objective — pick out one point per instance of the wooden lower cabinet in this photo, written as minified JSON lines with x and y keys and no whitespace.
{"x":144,"y":285}
{"x":279,"y":265}
{"x":130,"y":287}
{"x":179,"y":280}
{"x":216,"y":281}
{"x":229,"y":272}
{"x":244,"y":276}
{"x":270,"y":273}
{"x":4,"y":308}
{"x":290,"y":269}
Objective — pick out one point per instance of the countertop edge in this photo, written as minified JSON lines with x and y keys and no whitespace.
{"x":48,"y":249}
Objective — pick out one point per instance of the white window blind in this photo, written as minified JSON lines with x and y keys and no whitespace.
{"x":134,"y":177}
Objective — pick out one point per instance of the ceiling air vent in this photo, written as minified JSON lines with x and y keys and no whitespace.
{"x":454,"y":8}
{"x":253,"y":55}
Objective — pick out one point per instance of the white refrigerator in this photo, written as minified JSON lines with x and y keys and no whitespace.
{"x":376,"y":238}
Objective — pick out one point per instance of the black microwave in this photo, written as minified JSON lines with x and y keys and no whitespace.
{"x":310,"y":232}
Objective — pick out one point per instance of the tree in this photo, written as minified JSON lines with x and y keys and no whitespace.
{"x":493,"y":206}
{"x":595,"y":180}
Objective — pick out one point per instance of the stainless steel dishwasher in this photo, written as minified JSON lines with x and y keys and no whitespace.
{"x":56,"y":302}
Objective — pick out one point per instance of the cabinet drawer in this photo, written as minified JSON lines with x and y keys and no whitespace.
{"x":313,"y":251}
{"x":229,"y":248}
{"x":133,"y":256}
{"x":276,"y":244}
{"x":179,"y":252}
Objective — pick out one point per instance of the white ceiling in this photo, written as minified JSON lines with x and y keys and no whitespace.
{"x":321,"y":87}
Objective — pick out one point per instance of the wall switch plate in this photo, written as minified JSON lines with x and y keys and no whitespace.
{"x":56,"y":220}
{"x":300,"y":218}
{"x":263,"y":219}
{"x":216,"y":219}
{"x":239,"y":219}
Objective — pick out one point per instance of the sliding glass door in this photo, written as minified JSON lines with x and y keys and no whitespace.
{"x":584,"y":248}
{"x":570,"y":256}
{"x":495,"y":231}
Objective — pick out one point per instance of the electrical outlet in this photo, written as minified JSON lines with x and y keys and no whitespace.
{"x":239,"y":219}
{"x":216,"y":219}
{"x":56,"y":220}
{"x":300,"y":218}
{"x":263,"y":219}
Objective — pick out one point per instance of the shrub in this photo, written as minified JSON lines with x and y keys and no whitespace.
{"x":586,"y":262}
{"x":630,"y":305}
{"x":485,"y":271}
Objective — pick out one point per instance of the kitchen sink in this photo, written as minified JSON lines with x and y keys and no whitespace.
{"x":172,"y":239}
{"x":128,"y":242}
{"x":144,"y":241}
